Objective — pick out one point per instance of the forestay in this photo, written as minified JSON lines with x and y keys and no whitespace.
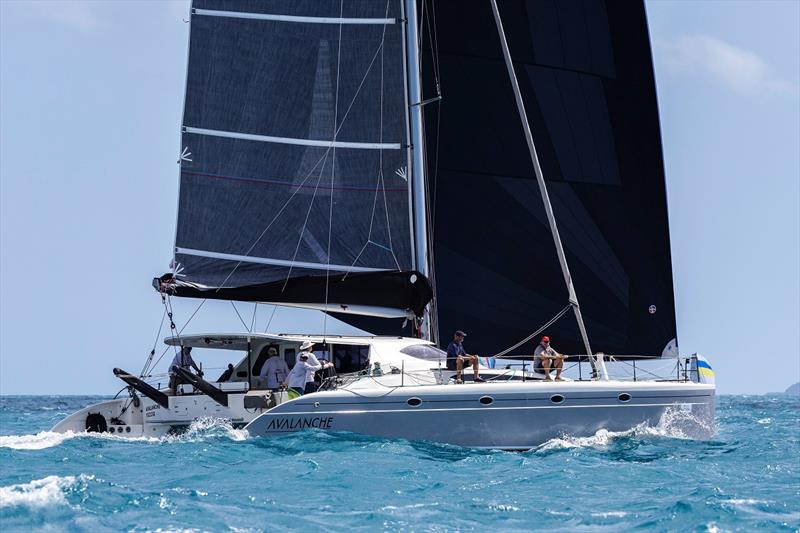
{"x":294,"y":172}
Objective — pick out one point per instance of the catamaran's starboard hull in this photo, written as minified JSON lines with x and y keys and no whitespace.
{"x":494,"y":415}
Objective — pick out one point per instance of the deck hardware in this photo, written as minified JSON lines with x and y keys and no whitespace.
{"x":624,"y":397}
{"x":414,"y":402}
{"x":486,"y":400}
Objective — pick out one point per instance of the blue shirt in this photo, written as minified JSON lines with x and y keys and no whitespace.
{"x":454,"y":349}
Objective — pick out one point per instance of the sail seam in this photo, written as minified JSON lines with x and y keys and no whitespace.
{"x":292,"y":140}
{"x":276,"y":262}
{"x":293,"y":18}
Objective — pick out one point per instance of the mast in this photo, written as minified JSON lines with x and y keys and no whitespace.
{"x":417,"y":171}
{"x":573,"y":297}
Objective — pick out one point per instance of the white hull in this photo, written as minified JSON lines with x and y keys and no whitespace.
{"x":414,"y":400}
{"x":520,"y":415}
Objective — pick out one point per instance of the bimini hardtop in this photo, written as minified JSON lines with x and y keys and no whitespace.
{"x":235,"y":386}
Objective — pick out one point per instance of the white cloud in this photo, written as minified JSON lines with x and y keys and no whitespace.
{"x":737,"y":68}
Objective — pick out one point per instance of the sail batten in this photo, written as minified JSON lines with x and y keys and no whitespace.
{"x":291,"y":18}
{"x":289,"y":140}
{"x":277,"y":262}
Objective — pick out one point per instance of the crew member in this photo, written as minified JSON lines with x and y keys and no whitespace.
{"x":184,"y":360}
{"x":274,"y":369}
{"x":305,"y":348}
{"x":456,"y":353}
{"x":546,"y":357}
{"x":296,"y":380}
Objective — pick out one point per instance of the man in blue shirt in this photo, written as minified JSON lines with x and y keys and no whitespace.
{"x":456,"y":356}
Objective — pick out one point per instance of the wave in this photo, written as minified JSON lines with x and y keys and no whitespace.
{"x":674,"y":424}
{"x":41,"y":492}
{"x":199,"y":430}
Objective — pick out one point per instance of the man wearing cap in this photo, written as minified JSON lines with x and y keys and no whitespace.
{"x":457,"y":355}
{"x":296,"y":380}
{"x":546,"y":356}
{"x":274,"y":369}
{"x":182,"y":359}
{"x":305,"y":349}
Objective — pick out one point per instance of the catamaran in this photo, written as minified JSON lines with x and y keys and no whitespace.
{"x":389,"y":164}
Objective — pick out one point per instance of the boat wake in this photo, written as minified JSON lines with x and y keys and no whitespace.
{"x":42,"y":493}
{"x":200,"y":430}
{"x":674,"y":424}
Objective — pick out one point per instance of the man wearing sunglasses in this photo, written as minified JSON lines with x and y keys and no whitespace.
{"x":546,"y":357}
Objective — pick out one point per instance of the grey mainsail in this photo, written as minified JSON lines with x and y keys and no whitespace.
{"x":294,"y":176}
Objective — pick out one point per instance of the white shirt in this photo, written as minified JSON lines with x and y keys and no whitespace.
{"x":275,"y":370}
{"x":312,"y":359}
{"x":547,"y":351}
{"x":297,"y":377}
{"x":186,"y":363}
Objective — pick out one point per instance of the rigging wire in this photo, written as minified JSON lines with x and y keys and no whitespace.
{"x":163,"y":353}
{"x":535,"y":333}
{"x":333,"y":170}
{"x":149,"y":360}
{"x":274,"y":308}
{"x":240,"y":316}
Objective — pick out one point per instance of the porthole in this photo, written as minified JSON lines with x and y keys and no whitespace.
{"x":111,"y":429}
{"x":486,"y":400}
{"x":624,"y":397}
{"x":414,"y":402}
{"x":556,"y":398}
{"x":127,"y":429}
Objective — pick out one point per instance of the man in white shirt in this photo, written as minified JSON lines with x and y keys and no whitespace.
{"x":306,"y":349}
{"x":296,"y":380}
{"x":274,"y":369}
{"x":546,"y":356}
{"x":184,"y":360}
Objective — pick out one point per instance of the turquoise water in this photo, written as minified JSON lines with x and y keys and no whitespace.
{"x":215,"y":478}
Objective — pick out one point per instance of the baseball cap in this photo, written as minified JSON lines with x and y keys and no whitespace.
{"x":460,"y":333}
{"x":545,"y":338}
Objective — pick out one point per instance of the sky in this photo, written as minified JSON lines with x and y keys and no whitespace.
{"x":91,"y":96}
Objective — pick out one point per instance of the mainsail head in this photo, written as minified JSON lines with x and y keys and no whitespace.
{"x":295,"y":147}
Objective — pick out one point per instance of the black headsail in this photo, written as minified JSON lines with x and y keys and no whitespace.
{"x":586,"y":77}
{"x":294,"y":173}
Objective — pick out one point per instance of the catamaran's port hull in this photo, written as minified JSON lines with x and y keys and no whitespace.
{"x":124,"y":418}
{"x":495,"y":415}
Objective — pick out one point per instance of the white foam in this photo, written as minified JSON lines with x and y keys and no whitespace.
{"x":39,"y":492}
{"x":673,"y":424}
{"x":48,"y":439}
{"x":203,"y":428}
{"x":744,"y":501}
{"x":44,"y":439}
{"x":611,"y":514}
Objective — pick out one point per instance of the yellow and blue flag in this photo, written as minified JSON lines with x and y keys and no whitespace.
{"x":705,"y":374}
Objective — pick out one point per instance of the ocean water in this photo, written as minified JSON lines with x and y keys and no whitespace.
{"x":216,"y":478}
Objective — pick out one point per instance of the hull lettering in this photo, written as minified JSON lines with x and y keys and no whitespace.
{"x":296,"y":424}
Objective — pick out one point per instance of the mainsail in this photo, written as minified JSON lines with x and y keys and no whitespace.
{"x":586,"y":77}
{"x":294,"y":181}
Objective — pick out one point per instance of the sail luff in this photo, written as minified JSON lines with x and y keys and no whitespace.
{"x":417,"y":172}
{"x":573,"y":297}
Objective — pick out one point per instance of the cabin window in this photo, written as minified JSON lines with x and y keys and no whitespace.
{"x":427,"y":352}
{"x":290,"y":355}
{"x":350,"y":358}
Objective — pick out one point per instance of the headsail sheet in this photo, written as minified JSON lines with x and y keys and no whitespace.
{"x":295,"y":150}
{"x":586,"y":75}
